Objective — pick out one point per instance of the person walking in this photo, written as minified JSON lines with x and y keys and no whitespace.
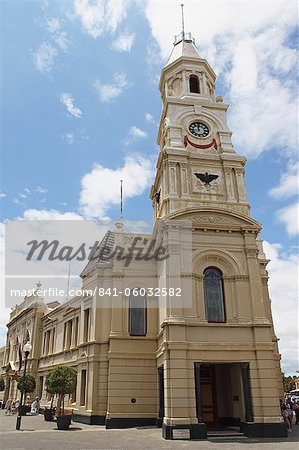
{"x":8,"y":407}
{"x":35,"y":406}
{"x":296,"y":409}
{"x":287,"y":414}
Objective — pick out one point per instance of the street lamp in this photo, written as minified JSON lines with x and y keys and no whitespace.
{"x":27,"y":350}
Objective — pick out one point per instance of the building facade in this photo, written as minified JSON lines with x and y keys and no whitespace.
{"x":209,"y":358}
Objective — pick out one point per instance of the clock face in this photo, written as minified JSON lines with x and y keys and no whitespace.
{"x":198,"y":129}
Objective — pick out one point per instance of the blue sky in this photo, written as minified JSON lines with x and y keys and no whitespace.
{"x":80,"y":107}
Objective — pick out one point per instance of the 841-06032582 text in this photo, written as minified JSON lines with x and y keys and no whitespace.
{"x":150,"y":292}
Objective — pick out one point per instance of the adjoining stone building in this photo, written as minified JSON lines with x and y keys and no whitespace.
{"x":210,"y":358}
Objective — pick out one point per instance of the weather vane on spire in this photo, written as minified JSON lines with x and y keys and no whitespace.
{"x":183,"y":24}
{"x":185,"y":37}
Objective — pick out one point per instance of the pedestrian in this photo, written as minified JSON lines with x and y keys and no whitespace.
{"x":289,"y":409}
{"x":8,"y":407}
{"x":17,"y":404}
{"x":35,"y":406}
{"x":296,"y":409}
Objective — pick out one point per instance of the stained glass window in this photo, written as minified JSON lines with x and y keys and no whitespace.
{"x":213,"y":292}
{"x":137,"y":314}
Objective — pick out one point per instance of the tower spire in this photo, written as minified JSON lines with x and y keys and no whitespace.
{"x":183,"y":22}
{"x":121,"y":200}
{"x":119,"y":225}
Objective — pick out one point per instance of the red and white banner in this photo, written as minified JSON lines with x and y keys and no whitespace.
{"x":212,"y":144}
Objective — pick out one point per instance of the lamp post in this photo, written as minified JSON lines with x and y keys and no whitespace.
{"x":27,"y":350}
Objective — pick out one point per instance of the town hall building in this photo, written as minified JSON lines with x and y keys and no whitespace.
{"x":188,"y":343}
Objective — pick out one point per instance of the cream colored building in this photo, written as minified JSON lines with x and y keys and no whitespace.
{"x":208,"y":357}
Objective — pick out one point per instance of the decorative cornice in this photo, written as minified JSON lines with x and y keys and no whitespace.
{"x":233,"y":278}
{"x":251,"y":252}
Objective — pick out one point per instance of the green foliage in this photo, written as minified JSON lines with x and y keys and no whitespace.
{"x":2,"y":384}
{"x":28,"y":384}
{"x":61,"y":380}
{"x":288,"y":382}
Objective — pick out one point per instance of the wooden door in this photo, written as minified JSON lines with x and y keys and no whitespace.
{"x":206,"y":384}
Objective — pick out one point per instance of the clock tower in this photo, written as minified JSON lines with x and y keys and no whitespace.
{"x":218,"y":359}
{"x":197,"y":165}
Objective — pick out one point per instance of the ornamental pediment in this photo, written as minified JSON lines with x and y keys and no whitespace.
{"x":220,"y":219}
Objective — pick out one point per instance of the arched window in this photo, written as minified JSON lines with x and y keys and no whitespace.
{"x":194,"y":84}
{"x":137,"y":313}
{"x":214,"y":295}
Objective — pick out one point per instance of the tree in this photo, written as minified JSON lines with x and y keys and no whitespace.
{"x":2,"y":384}
{"x":61,"y":380}
{"x":28,"y":384}
{"x":288,"y":382}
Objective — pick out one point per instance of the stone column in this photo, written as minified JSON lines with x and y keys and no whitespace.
{"x":247,"y":392}
{"x":184,"y":179}
{"x":172,"y":180}
{"x":229,"y":299}
{"x":204,"y":82}
{"x":200,"y":298}
{"x":116,"y":311}
{"x":229,"y":184}
{"x":185,"y":82}
{"x":241,"y":184}
{"x":256,"y":288}
{"x":198,"y":399}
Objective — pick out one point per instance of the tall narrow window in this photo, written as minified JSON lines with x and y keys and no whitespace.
{"x":213,"y":292}
{"x":76,"y":331}
{"x":53,"y":340}
{"x":83,"y":388}
{"x":69,"y":333}
{"x":86,"y":325}
{"x":64,"y":336}
{"x":40,"y":387}
{"x":137,"y":313}
{"x":46,"y":345}
{"x":194,"y":84}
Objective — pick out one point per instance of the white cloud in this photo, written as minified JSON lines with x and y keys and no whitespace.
{"x":100,"y":16}
{"x":53,"y":25}
{"x":149,"y":118}
{"x":41,"y":190}
{"x":69,"y":138}
{"x":62,"y":41}
{"x":2,"y":195}
{"x":255,"y":58}
{"x":52,"y":214}
{"x":18,"y":202}
{"x":289,"y":216}
{"x":283,"y":286}
{"x":68,"y":101}
{"x":124,"y":42}
{"x":288,"y":184}
{"x":58,"y":35}
{"x":137,"y":132}
{"x":100,"y":187}
{"x":67,"y":234}
{"x":109,"y":92}
{"x":44,"y":57}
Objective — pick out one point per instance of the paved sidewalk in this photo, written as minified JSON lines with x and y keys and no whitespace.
{"x":37,"y":434}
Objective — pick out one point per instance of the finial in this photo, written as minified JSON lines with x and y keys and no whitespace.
{"x":183,"y":23}
{"x":119,"y":225}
